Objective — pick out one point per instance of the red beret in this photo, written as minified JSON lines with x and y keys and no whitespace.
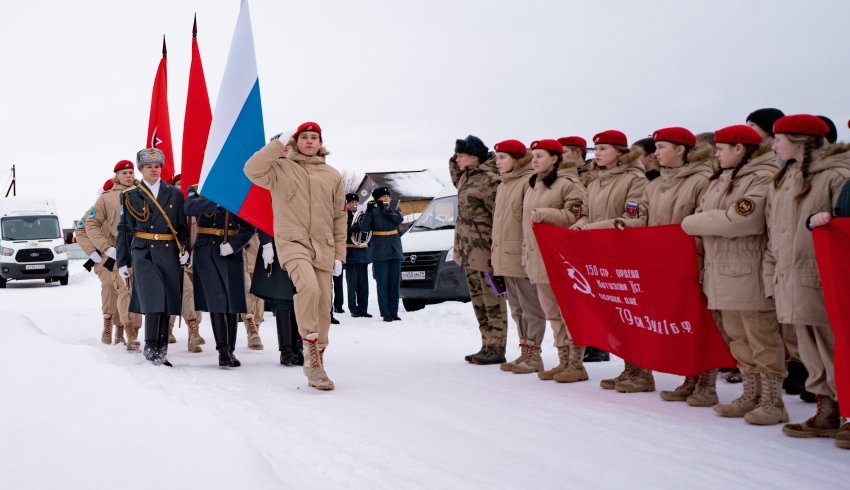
{"x":308,"y":126}
{"x":511,"y":146}
{"x":801,"y":124}
{"x":739,"y":133}
{"x":123,"y":165}
{"x":677,"y":135}
{"x":108,"y":185}
{"x":611,"y":137}
{"x":551,"y":145}
{"x":176,"y":178}
{"x":573,"y":141}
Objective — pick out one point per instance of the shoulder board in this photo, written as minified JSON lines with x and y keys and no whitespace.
{"x":193,"y":191}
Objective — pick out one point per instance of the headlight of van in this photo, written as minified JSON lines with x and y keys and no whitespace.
{"x":6,"y":251}
{"x":61,"y":249}
{"x":450,"y":255}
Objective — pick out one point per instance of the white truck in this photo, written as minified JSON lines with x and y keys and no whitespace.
{"x":31,"y":243}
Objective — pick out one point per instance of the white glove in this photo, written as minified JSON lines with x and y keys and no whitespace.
{"x":268,"y":255}
{"x":110,"y":252}
{"x":225,"y":249}
{"x":184,"y":258}
{"x":283,"y":137}
{"x":95,"y":257}
{"x":337,"y":268}
{"x":124,"y":272}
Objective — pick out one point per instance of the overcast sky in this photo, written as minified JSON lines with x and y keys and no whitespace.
{"x":394,"y":83}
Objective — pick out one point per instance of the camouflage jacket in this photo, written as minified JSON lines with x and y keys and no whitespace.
{"x":476,"y":201}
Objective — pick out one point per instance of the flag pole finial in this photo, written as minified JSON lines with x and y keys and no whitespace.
{"x":164,"y":51}
{"x":195,"y":27}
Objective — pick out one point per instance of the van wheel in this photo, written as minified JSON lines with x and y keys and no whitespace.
{"x":2,"y":282}
{"x":412,"y":304}
{"x":64,"y":280}
{"x":48,"y":280}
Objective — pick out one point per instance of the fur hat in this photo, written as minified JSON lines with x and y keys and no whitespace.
{"x":832,"y":135}
{"x":123,"y":165}
{"x":351,"y":197}
{"x":801,"y":124}
{"x":307,"y":126}
{"x":677,"y":135}
{"x":551,"y":145}
{"x":739,"y":133}
{"x":380,"y":191}
{"x":765,"y":118}
{"x":611,"y":137}
{"x":512,"y":147}
{"x":472,"y":145}
{"x":150,"y":156}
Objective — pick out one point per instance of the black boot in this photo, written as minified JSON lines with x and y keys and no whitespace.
{"x":153,"y":351}
{"x":231,"y":336}
{"x":162,"y":340}
{"x":288,"y":357}
{"x":795,"y":382}
{"x":219,"y":327}
{"x":297,"y":342}
{"x":592,"y":354}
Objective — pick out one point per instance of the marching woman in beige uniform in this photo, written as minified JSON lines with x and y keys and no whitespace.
{"x":806,"y":184}
{"x":555,"y":198}
{"x":513,"y":160}
{"x":615,"y":193}
{"x":731,"y":223}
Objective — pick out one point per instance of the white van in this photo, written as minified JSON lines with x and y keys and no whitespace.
{"x":429,"y":273}
{"x":31,"y":243}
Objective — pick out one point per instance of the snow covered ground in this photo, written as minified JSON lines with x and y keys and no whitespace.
{"x":407,"y":412}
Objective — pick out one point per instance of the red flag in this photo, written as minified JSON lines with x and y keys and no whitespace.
{"x":159,"y":129}
{"x":196,"y":125}
{"x":831,"y":245}
{"x":634,"y":293}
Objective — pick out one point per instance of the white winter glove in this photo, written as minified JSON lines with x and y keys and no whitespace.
{"x":283,"y":137}
{"x":337,"y":268}
{"x":225,"y":249}
{"x":184,"y":258}
{"x":124,"y":272}
{"x":95,"y":257}
{"x":110,"y":252}
{"x":268,"y":255}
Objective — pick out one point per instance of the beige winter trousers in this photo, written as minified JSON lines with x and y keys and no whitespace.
{"x":789,"y":337}
{"x":256,"y":306}
{"x":755,"y":341}
{"x":525,"y":309}
{"x":817,"y":351}
{"x":108,"y":294}
{"x":553,"y":313}
{"x":313,"y":299}
{"x":123,"y":301}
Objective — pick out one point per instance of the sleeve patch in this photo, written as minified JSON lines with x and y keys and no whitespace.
{"x":745,"y":207}
{"x":575,"y":208}
{"x":632,"y":209}
{"x":92,"y":213}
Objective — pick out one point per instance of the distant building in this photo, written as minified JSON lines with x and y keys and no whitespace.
{"x":414,"y":189}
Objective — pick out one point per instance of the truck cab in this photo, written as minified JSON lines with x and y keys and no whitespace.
{"x":31,"y":243}
{"x":429,"y":274}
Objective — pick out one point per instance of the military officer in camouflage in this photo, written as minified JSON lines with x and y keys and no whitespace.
{"x":151,"y":238}
{"x":474,"y":174}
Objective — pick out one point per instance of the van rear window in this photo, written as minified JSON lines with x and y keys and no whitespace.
{"x":30,"y":228}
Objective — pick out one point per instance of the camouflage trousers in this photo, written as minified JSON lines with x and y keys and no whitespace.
{"x":490,"y":311}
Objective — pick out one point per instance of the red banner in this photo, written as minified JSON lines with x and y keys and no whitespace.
{"x":196,"y":125}
{"x":159,"y":127}
{"x":635,"y":293}
{"x":832,"y":243}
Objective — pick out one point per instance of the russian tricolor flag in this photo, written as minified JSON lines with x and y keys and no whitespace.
{"x":236,"y":133}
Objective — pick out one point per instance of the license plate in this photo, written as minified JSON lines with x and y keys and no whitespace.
{"x":35,"y":266}
{"x":412,"y":275}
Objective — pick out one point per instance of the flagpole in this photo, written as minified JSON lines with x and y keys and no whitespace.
{"x":164,"y":51}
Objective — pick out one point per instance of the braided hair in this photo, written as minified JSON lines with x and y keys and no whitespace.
{"x":749,"y":150}
{"x":552,"y":176}
{"x":810,"y":144}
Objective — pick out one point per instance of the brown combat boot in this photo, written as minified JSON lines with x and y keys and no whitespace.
{"x":575,"y":370}
{"x":119,"y":335}
{"x":563,"y":357}
{"x":254,"y":341}
{"x":106,"y":335}
{"x":771,"y":409}
{"x":745,"y":403}
{"x":682,"y":392}
{"x":705,"y":392}
{"x":533,"y":362}
{"x":132,"y":339}
{"x":610,"y":383}
{"x":842,"y":438}
{"x":825,"y":422}
{"x":195,"y":340}
{"x":314,"y":364}
{"x":523,"y":351}
{"x":640,"y":380}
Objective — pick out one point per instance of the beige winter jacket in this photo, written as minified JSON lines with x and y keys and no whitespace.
{"x":558,"y":205}
{"x":307,"y":201}
{"x":612,"y":190}
{"x":790,"y":269}
{"x":732,"y":228}
{"x":102,"y":227}
{"x":507,"y":220}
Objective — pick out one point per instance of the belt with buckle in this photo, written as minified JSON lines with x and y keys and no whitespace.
{"x":215,"y":231}
{"x":385,"y":233}
{"x":154,"y":236}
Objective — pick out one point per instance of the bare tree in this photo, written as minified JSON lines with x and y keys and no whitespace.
{"x":351,"y":180}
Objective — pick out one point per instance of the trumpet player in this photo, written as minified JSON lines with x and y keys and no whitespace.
{"x":358,"y":258}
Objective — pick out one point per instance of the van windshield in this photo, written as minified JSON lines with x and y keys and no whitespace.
{"x":439,"y":215}
{"x":30,"y":228}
